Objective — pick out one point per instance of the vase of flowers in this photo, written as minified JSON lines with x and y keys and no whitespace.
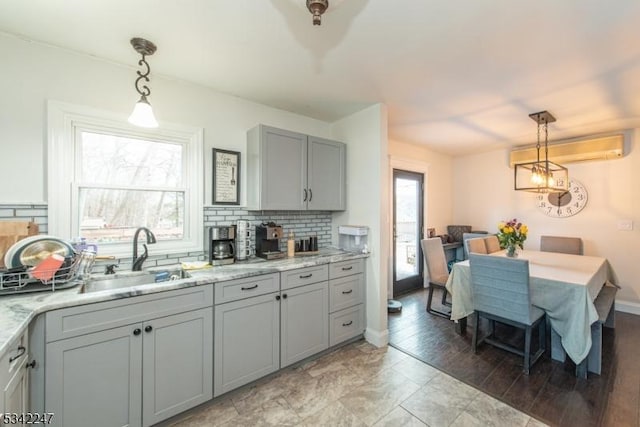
{"x":511,"y":235}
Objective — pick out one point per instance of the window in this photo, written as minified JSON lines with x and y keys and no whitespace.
{"x":107,"y":178}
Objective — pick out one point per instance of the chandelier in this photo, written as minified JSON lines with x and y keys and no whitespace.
{"x":142,"y":114}
{"x":317,"y":8}
{"x":542,"y":175}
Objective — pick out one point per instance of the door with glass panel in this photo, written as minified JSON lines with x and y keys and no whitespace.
{"x":407,"y":230}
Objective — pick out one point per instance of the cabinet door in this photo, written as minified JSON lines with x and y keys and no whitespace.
{"x":15,"y":392}
{"x":95,"y":379}
{"x":326,"y":174}
{"x":284,"y":169}
{"x":305,"y":322}
{"x":246,"y":341}
{"x":177,"y":364}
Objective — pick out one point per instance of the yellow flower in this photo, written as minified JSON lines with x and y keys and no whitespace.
{"x":501,"y":225}
{"x":524,"y":229}
{"x":507,"y":230}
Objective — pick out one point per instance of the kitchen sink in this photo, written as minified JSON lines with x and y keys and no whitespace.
{"x":134,"y":278}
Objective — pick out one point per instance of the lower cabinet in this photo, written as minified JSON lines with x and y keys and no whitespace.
{"x":247,"y":340}
{"x":133,"y":375}
{"x":14,"y":382}
{"x":258,"y":335}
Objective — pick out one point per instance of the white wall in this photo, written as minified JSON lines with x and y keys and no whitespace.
{"x":32,"y":73}
{"x":367,"y":200}
{"x":484,"y":195}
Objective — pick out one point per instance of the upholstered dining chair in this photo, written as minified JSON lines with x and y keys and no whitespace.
{"x":476,"y":246}
{"x":437,"y":271}
{"x":492,"y":243}
{"x":500,"y":289}
{"x":565,"y":245}
{"x":467,"y":236}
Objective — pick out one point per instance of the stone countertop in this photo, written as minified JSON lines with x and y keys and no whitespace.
{"x":16,"y":311}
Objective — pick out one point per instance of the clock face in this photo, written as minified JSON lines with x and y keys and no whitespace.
{"x":563,"y":204}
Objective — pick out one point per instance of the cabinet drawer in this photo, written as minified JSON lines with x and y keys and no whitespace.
{"x":346,"y":292}
{"x":84,"y":319}
{"x":345,"y":268}
{"x":232,"y":290}
{"x":304,"y":276}
{"x":346,"y":324}
{"x":17,"y":351}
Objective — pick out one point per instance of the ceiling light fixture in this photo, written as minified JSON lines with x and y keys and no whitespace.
{"x":317,"y":8}
{"x":541,"y":176}
{"x":142,"y":114}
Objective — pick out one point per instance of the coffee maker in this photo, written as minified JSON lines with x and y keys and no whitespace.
{"x":221,"y":245}
{"x":268,"y":237}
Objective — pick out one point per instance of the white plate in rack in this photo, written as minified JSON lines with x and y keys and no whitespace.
{"x":34,"y":249}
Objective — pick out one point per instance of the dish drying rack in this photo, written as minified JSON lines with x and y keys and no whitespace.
{"x":67,"y":276}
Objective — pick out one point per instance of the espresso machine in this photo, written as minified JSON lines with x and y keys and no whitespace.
{"x":221,"y":245}
{"x":268,"y":237}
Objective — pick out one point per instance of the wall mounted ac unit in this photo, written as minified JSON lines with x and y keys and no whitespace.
{"x":580,"y":150}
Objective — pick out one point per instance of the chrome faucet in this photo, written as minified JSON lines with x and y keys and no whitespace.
{"x":138,"y":261}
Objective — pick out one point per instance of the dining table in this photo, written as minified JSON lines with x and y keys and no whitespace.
{"x":563,"y":285}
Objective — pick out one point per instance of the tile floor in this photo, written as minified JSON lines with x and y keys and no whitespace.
{"x":357,"y":385}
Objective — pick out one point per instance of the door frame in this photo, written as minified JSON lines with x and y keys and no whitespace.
{"x":411,"y":166}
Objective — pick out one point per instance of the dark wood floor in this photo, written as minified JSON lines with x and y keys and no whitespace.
{"x":551,"y":392}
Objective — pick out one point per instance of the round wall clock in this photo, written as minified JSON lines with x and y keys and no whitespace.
{"x":564,"y":204}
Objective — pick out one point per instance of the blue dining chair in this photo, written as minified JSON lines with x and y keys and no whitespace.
{"x":500,"y":289}
{"x":560,"y":244}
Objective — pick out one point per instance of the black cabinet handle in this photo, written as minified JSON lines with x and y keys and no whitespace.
{"x":277,"y":297}
{"x":307,"y":276}
{"x":31,"y":364}
{"x":349,"y":323}
{"x":136,"y":331}
{"x":310,"y":195}
{"x":305,"y":195}
{"x":284,"y":296}
{"x":148,"y":328}
{"x":21,"y":351}
{"x":347,"y":268}
{"x":249,"y":288}
{"x":347,"y":292}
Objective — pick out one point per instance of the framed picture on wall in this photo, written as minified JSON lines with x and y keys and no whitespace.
{"x":226,"y":177}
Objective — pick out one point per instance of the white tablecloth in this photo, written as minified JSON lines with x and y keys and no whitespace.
{"x":563,"y":285}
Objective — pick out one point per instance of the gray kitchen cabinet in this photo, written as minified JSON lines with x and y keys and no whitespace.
{"x":292,"y":171}
{"x":96,"y":379}
{"x":246,"y":341}
{"x":304,"y":322}
{"x":347,"y":287}
{"x":14,"y":379}
{"x":137,"y":374}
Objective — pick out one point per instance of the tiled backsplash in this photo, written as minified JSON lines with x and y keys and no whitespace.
{"x":303,"y":224}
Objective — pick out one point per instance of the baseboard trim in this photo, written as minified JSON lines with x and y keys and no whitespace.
{"x":628,"y":307}
{"x":377,"y":338}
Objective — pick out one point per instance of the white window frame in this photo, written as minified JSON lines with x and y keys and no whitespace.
{"x":65,"y":121}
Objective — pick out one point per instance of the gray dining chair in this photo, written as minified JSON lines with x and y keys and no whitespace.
{"x":500,"y":289}
{"x":492,"y":244}
{"x":476,"y":246}
{"x":559,"y":244}
{"x":437,"y":272}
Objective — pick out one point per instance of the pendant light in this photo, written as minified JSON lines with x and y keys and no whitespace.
{"x":317,"y":8}
{"x":142,"y":114}
{"x":542,"y":175}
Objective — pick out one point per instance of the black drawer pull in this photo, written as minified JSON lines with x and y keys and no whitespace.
{"x":347,"y":292}
{"x":31,"y":364}
{"x":277,"y":297}
{"x":249,"y":288}
{"x":137,"y":331}
{"x":349,"y":323}
{"x":347,"y":268}
{"x":307,"y":276}
{"x":21,"y":351}
{"x":148,"y":328}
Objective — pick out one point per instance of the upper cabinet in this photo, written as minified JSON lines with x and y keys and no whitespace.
{"x":292,"y":171}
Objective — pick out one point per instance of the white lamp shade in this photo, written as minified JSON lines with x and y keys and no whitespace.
{"x":142,"y":114}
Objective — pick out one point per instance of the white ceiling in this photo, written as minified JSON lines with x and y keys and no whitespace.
{"x":458,"y":76}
